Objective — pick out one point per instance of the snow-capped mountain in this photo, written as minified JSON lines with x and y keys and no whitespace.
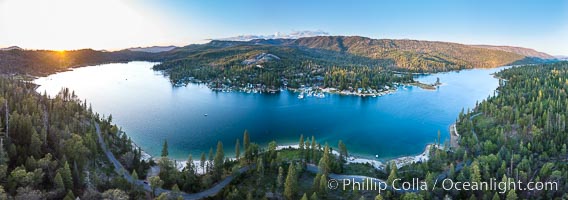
{"x":277,"y":35}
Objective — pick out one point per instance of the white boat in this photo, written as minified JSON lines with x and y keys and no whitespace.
{"x":301,"y":96}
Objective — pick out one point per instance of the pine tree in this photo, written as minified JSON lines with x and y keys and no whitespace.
{"x":175,"y":188}
{"x":189,"y":174}
{"x":66,"y":175}
{"x":301,"y":146}
{"x":58,"y":181}
{"x":4,"y":158}
{"x":452,"y":171}
{"x":314,"y":196}
{"x":69,"y":196}
{"x":280,"y":179}
{"x":323,"y":185}
{"x":511,"y":195}
{"x":314,"y":150}
{"x":155,"y":182}
{"x":189,"y":165}
{"x":247,"y":147}
{"x":378,"y":197}
{"x":496,"y":196}
{"x":134,"y":175}
{"x":260,"y":167}
{"x":316,"y":183}
{"x":246,"y":140}
{"x":475,"y":174}
{"x":290,"y":187}
{"x":325,"y":162}
{"x":218,"y":161}
{"x":165,"y":149}
{"x":392,"y":175}
{"x":210,"y":159}
{"x":272,"y":149}
{"x":35,"y":145}
{"x":342,"y":150}
{"x":202,"y":162}
{"x":304,"y":197}
{"x":237,"y":149}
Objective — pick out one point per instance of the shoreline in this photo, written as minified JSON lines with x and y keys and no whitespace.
{"x":351,"y":159}
{"x":329,"y":90}
{"x":315,"y":91}
{"x":380,"y":165}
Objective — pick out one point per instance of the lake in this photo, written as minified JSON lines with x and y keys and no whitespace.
{"x":150,"y":110}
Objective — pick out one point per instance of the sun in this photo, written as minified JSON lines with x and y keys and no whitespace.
{"x":72,"y":24}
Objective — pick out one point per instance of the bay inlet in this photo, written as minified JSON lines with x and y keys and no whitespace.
{"x":193,"y":118}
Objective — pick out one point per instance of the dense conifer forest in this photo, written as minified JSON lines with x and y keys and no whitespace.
{"x":330,"y":61}
{"x":518,"y":134}
{"x":49,"y":148}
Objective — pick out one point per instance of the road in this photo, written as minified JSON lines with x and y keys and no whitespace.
{"x":119,"y":169}
{"x":454,"y":136}
{"x":355,"y":178}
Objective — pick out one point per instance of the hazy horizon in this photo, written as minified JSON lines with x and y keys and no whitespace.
{"x":114,"y":25}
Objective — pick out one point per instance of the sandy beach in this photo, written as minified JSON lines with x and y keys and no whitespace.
{"x":400,"y":161}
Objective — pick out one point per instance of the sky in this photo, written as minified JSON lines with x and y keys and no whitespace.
{"x":118,"y":24}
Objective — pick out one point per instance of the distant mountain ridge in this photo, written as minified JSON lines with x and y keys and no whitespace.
{"x":45,"y":62}
{"x":327,"y":51}
{"x":11,"y":48}
{"x":561,"y":57}
{"x":412,"y":55}
{"x":277,"y":35}
{"x":153,"y":49}
{"x":332,"y":61}
{"x":518,"y":50}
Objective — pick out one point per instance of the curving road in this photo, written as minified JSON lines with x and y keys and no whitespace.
{"x":119,"y":169}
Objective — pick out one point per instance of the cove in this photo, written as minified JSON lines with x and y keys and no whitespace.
{"x":193,"y":118}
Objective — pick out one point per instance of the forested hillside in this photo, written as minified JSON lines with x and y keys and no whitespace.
{"x":518,"y":50}
{"x":305,"y":58}
{"x":415,"y":55}
{"x":518,"y":135}
{"x":521,"y":133}
{"x":45,"y":62}
{"x":275,"y":66}
{"x":358,"y":61}
{"x":49,"y":148}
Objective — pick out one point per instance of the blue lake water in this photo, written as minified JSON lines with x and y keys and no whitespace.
{"x":151,"y":110}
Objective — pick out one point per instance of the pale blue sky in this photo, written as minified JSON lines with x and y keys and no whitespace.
{"x":542,"y":25}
